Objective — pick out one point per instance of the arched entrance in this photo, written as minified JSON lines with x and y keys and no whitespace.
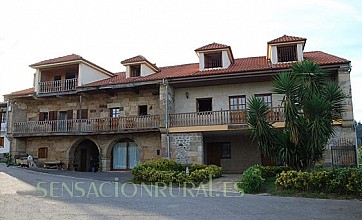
{"x":125,"y":155}
{"x":85,"y":156}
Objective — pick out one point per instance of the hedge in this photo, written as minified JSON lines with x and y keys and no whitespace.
{"x":168,"y":171}
{"x":337,"y":180}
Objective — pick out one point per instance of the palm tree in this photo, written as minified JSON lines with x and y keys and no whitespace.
{"x":311,"y":102}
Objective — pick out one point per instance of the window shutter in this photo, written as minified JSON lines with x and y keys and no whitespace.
{"x":70,"y":114}
{"x":53,"y":115}
{"x":84,"y":114}
{"x":41,"y":116}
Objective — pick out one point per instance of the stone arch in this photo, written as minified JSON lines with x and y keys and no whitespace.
{"x":123,"y":153}
{"x":84,"y":155}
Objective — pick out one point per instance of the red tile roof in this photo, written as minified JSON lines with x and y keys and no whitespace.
{"x":240,"y":65}
{"x":72,"y":57}
{"x":135,"y":59}
{"x":286,"y":38}
{"x":212,"y":46}
{"x":68,"y":58}
{"x":22,"y":92}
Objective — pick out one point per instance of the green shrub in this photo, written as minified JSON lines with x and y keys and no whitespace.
{"x":339,"y":180}
{"x":272,"y":171}
{"x":167,"y":171}
{"x":252,"y":180}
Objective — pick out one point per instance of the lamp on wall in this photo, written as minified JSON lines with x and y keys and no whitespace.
{"x":187,"y":94}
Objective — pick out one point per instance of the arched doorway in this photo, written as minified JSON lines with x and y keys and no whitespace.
{"x":125,"y":155}
{"x":86,"y":156}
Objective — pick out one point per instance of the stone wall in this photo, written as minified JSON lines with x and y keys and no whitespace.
{"x":98,"y":105}
{"x":61,"y":147}
{"x":187,"y":148}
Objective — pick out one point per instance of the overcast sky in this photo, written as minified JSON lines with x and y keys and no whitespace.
{"x":167,"y":32}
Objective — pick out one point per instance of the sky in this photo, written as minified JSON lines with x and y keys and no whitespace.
{"x":167,"y":32}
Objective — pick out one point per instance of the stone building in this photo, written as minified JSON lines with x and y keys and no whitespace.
{"x":88,"y":118}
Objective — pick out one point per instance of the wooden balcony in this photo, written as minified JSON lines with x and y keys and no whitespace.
{"x":86,"y":126}
{"x":225,"y":117}
{"x":58,"y":86}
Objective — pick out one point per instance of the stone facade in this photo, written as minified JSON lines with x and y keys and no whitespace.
{"x":187,"y":148}
{"x":61,"y":148}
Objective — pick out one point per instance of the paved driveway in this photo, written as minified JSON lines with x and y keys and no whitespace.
{"x":27,"y":194}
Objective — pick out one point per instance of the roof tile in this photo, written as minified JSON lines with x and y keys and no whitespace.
{"x":286,"y":38}
{"x":212,"y":46}
{"x":67,"y":58}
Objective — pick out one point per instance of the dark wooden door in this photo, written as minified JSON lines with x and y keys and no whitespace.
{"x":83,"y":160}
{"x":213,"y":154}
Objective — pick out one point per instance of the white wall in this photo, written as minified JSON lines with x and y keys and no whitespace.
{"x":36,"y":80}
{"x":300,"y":52}
{"x":201,"y":61}
{"x":6,"y":147}
{"x":146,"y":70}
{"x":87,"y":74}
{"x":225,"y":59}
{"x":220,"y":95}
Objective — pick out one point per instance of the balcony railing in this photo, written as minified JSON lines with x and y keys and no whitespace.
{"x":219,"y":117}
{"x":58,"y":86}
{"x":88,"y":125}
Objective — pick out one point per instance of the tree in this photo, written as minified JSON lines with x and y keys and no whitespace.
{"x":311,"y":102}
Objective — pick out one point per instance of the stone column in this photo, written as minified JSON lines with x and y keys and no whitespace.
{"x":171,"y":109}
{"x":345,"y":84}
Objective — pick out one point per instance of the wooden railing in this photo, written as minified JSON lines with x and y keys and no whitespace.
{"x":219,"y":117}
{"x":87,"y":125}
{"x":58,"y":86}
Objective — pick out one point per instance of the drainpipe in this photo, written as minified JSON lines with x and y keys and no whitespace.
{"x":7,"y":124}
{"x":356,"y":132}
{"x":80,"y":114}
{"x":165,"y":83}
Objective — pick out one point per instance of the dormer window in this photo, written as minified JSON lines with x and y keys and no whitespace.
{"x":213,"y":60}
{"x":135,"y":70}
{"x":214,"y":55}
{"x":287,"y":53}
{"x":139,"y":66}
{"x":286,"y":49}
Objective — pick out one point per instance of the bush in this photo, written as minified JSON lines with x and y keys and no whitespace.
{"x":168,"y":171}
{"x":339,"y":180}
{"x":272,"y":171}
{"x":252,"y":180}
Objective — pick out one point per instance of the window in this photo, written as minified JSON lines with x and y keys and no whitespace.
{"x":1,"y":142}
{"x":213,"y":60}
{"x":267,"y":99}
{"x":142,"y":110}
{"x":2,"y":117}
{"x":237,"y":102}
{"x":135,"y":70}
{"x":114,"y":113}
{"x":225,"y":151}
{"x":287,"y":53}
{"x":84,"y":114}
{"x":43,"y":116}
{"x":43,"y":152}
{"x":204,"y":105}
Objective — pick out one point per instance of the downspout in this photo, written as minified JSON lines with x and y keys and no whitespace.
{"x":356,"y":132}
{"x":80,"y":114}
{"x":7,"y":124}
{"x":167,"y":120}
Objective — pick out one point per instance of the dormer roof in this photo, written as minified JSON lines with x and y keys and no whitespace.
{"x":286,"y":39}
{"x":213,"y":46}
{"x":138,"y":60}
{"x":68,"y":59}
